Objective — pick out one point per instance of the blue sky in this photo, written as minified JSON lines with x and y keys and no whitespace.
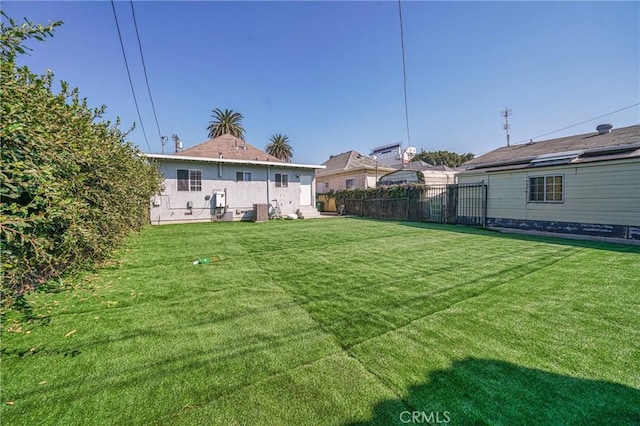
{"x":329,"y":74}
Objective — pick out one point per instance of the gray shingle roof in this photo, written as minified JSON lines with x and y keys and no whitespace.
{"x":626,"y":139}
{"x":350,"y":160}
{"x":422,"y":166}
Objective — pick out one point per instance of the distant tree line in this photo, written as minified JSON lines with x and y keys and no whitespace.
{"x":72,"y":187}
{"x":447,"y":158}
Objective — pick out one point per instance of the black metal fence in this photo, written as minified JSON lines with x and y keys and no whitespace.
{"x":454,"y":203}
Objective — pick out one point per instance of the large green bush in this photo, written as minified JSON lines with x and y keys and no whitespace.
{"x":411,"y":190}
{"x":72,"y":187}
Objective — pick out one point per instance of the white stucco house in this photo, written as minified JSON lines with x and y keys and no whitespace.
{"x":223,"y":178}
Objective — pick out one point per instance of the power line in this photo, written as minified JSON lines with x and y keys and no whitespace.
{"x":582,"y":122}
{"x":133,"y":92}
{"x":404,"y":73}
{"x":144,"y":68}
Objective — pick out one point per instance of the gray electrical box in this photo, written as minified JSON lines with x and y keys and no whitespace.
{"x":218,"y":200}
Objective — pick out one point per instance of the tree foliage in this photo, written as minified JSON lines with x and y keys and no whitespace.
{"x":447,"y":158}
{"x":280,"y":147}
{"x":223,"y":122}
{"x":13,"y":36}
{"x":72,"y":187}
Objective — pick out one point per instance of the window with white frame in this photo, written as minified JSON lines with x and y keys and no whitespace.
{"x":243,"y":176}
{"x":189,"y":180}
{"x":282,"y":180}
{"x":546,"y":189}
{"x":350,"y":183}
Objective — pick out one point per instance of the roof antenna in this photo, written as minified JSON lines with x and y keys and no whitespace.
{"x":506,"y":113}
{"x":163,"y":141}
{"x":177,"y":142}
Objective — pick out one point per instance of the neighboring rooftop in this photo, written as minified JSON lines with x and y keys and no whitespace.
{"x":350,"y":160}
{"x":422,"y":166}
{"x":396,"y":146}
{"x":228,"y":147}
{"x":621,"y":143}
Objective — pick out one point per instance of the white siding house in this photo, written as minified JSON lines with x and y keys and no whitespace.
{"x":585,"y":184}
{"x":223,"y":178}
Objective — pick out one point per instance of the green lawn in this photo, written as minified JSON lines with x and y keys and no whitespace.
{"x":334,"y":321}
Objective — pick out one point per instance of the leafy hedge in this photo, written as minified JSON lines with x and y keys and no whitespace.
{"x":411,"y":190}
{"x":72,"y":187}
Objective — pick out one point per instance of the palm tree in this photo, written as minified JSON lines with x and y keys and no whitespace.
{"x":227,"y":121}
{"x":279,"y":146}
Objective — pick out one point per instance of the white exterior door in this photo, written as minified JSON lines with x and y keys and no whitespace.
{"x":305,"y":190}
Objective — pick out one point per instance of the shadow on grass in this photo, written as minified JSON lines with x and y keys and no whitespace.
{"x":464,"y":229}
{"x":484,"y":391}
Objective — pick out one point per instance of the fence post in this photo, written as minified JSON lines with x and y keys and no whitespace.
{"x":406,"y":213}
{"x":485,"y":191}
{"x":452,"y":204}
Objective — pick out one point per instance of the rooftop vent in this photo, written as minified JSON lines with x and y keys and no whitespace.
{"x":604,"y":128}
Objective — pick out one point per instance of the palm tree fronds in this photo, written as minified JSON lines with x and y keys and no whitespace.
{"x":280,"y":147}
{"x":223,"y":122}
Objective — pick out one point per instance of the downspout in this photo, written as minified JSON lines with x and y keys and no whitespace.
{"x":313,"y":190}
{"x":268,"y":182}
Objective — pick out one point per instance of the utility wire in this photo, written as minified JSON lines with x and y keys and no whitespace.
{"x":133,"y":92}
{"x":144,"y":68}
{"x":404,"y":73}
{"x":582,"y":122}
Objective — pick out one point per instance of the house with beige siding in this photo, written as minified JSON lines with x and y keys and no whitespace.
{"x":223,"y":178}
{"x":349,"y":170}
{"x":587,"y":184}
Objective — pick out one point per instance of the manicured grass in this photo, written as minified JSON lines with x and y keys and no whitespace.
{"x":334,"y":321}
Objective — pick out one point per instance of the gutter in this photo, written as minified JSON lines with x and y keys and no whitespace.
{"x":172,"y":157}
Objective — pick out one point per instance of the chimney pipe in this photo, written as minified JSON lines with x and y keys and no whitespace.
{"x":604,"y":128}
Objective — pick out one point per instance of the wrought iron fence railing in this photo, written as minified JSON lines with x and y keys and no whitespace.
{"x":453,"y":203}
